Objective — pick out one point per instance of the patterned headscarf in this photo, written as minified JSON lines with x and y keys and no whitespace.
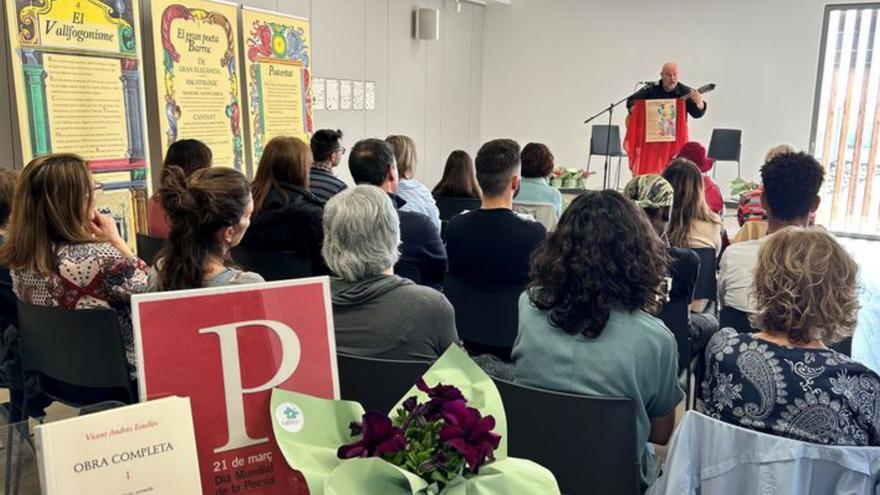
{"x":649,"y":191}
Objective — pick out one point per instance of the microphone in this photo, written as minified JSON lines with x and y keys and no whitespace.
{"x":648,"y":83}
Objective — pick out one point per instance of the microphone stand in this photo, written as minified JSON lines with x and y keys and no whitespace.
{"x":610,"y":110}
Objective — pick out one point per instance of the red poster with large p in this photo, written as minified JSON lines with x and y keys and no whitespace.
{"x":226,"y":348}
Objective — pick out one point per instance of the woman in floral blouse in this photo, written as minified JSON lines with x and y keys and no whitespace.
{"x":783,"y":380}
{"x":61,"y":251}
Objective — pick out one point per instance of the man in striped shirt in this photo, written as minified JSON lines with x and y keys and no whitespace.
{"x":327,"y":151}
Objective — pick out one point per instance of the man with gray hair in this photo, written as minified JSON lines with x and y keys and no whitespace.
{"x":375,"y":312}
{"x":423,"y":257}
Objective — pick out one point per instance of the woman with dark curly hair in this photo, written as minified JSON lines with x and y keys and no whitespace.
{"x":584,"y":326}
{"x":782,"y":380}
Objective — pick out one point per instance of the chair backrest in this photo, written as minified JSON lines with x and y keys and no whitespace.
{"x":377,"y":384}
{"x":273,"y":265}
{"x":725,"y":144}
{"x":603,"y":144}
{"x":676,"y":315}
{"x":589,"y":443}
{"x":148,"y":247}
{"x":843,"y":347}
{"x":450,"y":206}
{"x":82,"y":348}
{"x":707,"y":280}
{"x":487,"y":314}
{"x":735,"y":319}
{"x":543,"y":213}
{"x":756,"y":462}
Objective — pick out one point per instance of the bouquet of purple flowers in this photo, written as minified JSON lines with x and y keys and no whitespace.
{"x":439,"y":439}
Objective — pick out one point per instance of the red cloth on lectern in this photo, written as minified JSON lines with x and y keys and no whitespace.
{"x":652,"y":158}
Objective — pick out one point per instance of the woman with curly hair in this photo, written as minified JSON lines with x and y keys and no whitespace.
{"x":782,"y":380}
{"x":584,"y":322}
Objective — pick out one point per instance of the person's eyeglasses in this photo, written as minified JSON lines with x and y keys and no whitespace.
{"x":341,"y":150}
{"x":99,"y":186}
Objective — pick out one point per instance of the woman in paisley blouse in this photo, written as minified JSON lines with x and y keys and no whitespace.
{"x":782,"y":380}
{"x":62,"y":251}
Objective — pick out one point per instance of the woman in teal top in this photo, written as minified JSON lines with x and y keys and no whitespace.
{"x":584,"y":326}
{"x":537,"y":164}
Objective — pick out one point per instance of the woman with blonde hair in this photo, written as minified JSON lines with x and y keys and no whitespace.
{"x":417,"y":196}
{"x":783,"y":380}
{"x":287,"y":216}
{"x":61,"y":251}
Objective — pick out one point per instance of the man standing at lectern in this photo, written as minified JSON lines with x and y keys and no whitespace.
{"x":669,"y":87}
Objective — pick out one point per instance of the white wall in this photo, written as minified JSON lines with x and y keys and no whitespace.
{"x":549,"y":64}
{"x":429,"y":90}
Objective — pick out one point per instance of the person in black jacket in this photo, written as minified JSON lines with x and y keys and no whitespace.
{"x":653,"y":194}
{"x":422,"y":257}
{"x":287,"y":217}
{"x":668,"y":87}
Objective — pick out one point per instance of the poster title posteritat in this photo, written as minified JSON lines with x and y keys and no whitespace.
{"x":78,"y":88}
{"x":277,"y":75}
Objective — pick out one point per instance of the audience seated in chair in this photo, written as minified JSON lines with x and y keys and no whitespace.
{"x":376,"y":313}
{"x":537,"y":164}
{"x":791,"y":182}
{"x":584,"y":326}
{"x":782,"y":380}
{"x":422,"y":253}
{"x":653,"y":194}
{"x":62,"y":252}
{"x":696,"y":153}
{"x":327,"y":151}
{"x":459,"y":178}
{"x":692,"y":224}
{"x":188,"y":154}
{"x":209,"y":213}
{"x":287,"y":217}
{"x":493,"y":244}
{"x":417,"y":196}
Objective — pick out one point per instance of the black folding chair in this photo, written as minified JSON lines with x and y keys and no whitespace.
{"x":76,"y":356}
{"x":450,"y":206}
{"x":148,"y":247}
{"x":725,"y":145}
{"x":601,"y":144}
{"x":707,"y":280}
{"x":486,"y":315}
{"x":676,"y":315}
{"x":843,"y":347}
{"x":273,"y":265}
{"x":377,"y":384}
{"x":735,"y":319}
{"x":589,"y":443}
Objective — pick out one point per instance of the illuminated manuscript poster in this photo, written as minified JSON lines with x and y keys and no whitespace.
{"x":79,"y":89}
{"x":276,"y":69}
{"x":196,"y":49}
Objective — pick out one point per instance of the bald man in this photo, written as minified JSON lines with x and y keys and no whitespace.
{"x":669,"y":87}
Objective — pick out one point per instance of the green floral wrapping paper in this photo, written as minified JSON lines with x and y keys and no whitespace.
{"x":309,"y":430}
